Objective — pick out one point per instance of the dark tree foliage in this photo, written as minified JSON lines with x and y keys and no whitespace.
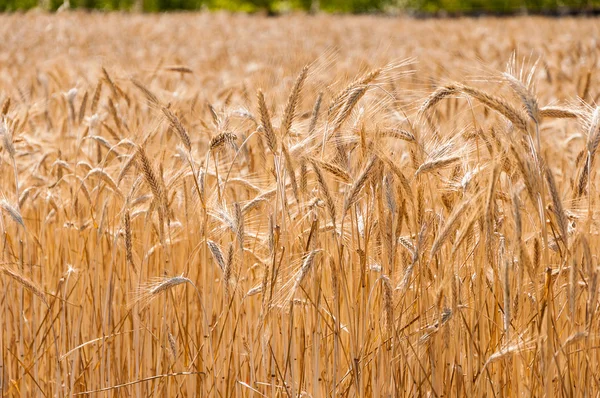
{"x":348,"y":6}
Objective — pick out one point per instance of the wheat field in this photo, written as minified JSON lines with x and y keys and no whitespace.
{"x":239,"y":206}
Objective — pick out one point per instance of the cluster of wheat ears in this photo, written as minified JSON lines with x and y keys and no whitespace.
{"x":340,"y":243}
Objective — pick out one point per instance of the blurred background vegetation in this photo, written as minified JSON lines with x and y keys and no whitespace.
{"x":420,"y":7}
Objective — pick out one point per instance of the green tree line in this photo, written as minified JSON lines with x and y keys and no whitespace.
{"x":345,"y":6}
